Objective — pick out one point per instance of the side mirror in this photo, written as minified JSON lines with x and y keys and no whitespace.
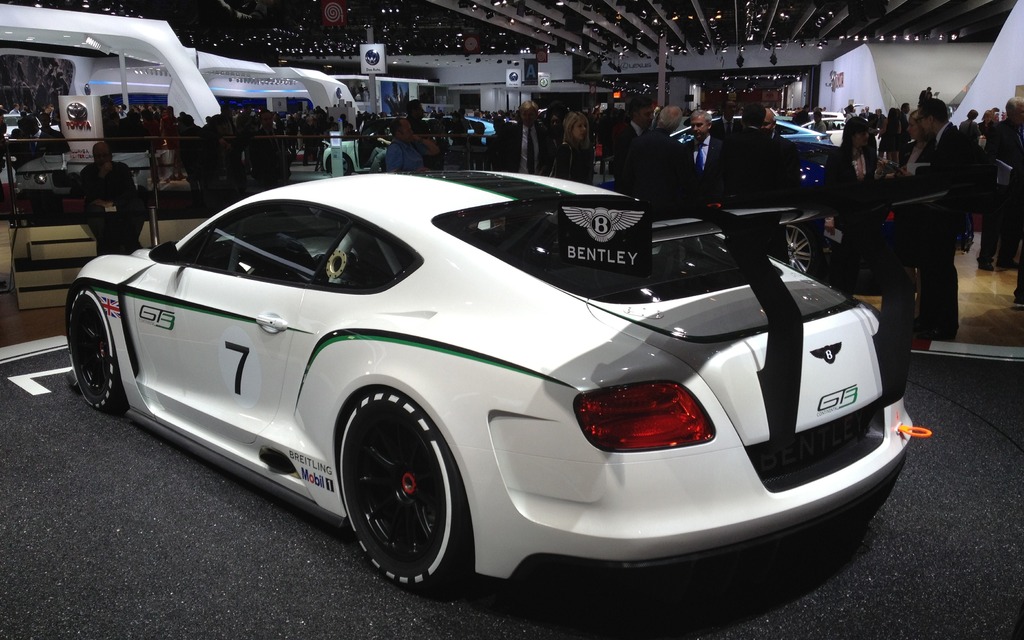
{"x":164,"y":253}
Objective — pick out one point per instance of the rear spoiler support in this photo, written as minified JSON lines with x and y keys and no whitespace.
{"x":864,"y":208}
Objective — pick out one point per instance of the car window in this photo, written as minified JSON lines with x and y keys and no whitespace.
{"x":787,"y":129}
{"x":527,"y":238}
{"x":273,"y":241}
{"x":365,"y":259}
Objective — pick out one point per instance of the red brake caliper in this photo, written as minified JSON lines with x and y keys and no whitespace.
{"x":408,"y":483}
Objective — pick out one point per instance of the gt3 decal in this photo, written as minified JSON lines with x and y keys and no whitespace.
{"x":837,"y":400}
{"x":161,"y":318}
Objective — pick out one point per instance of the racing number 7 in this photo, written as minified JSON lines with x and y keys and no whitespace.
{"x":241,"y":363}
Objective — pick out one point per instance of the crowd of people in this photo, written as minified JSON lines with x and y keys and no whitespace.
{"x":738,"y":153}
{"x":741,"y":153}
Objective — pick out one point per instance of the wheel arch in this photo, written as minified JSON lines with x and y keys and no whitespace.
{"x":352,"y":399}
{"x":120,"y":333}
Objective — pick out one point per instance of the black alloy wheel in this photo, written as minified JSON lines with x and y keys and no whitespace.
{"x":93,"y":357}
{"x":403,"y":493}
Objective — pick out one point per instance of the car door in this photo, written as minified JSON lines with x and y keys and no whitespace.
{"x":215,"y":331}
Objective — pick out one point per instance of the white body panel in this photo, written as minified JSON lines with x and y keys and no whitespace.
{"x":496,"y":358}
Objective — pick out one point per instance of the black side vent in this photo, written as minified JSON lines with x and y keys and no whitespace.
{"x":817,"y":452}
{"x":277,"y":461}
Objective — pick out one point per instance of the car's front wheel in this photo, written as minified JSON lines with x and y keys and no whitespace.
{"x":403,"y":493}
{"x":93,"y":357}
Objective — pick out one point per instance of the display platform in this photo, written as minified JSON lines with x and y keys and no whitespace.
{"x":110,"y":531}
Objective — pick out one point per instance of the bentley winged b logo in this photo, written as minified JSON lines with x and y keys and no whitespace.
{"x":602,"y":223}
{"x":828,"y":352}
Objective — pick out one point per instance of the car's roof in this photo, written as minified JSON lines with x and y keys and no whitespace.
{"x":396,"y":200}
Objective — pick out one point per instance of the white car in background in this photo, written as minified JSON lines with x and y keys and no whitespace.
{"x":483,"y":372}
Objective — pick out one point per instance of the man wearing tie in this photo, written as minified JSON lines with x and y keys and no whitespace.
{"x":524,"y":146}
{"x":939,"y":317}
{"x":727,"y":125}
{"x":707,"y":153}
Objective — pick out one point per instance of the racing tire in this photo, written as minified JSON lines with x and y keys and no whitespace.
{"x":93,"y":357}
{"x":403,"y":493}
{"x":804,"y":248}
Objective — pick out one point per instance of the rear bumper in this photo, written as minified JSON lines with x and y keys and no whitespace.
{"x":746,"y":561}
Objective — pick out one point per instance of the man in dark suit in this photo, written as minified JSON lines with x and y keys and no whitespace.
{"x":524,"y":146}
{"x":939,"y":317}
{"x":751,"y":161}
{"x":659,"y":169}
{"x":707,"y":156}
{"x":727,"y":126}
{"x":1002,"y":227}
{"x":641,"y":113}
{"x":789,"y":170}
{"x":787,"y":177}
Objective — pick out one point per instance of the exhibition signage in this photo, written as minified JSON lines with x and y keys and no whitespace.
{"x":605,"y":238}
{"x":530,"y":72}
{"x":82,"y":125}
{"x":543,"y":80}
{"x":471,"y":43}
{"x":372,"y":59}
{"x":513,"y":77}
{"x":333,"y":13}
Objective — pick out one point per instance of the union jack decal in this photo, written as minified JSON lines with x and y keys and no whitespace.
{"x":111,"y":306}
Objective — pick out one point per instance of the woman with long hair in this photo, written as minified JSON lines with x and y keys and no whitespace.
{"x":574,"y":158}
{"x":889,"y":140}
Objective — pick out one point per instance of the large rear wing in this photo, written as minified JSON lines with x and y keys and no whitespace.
{"x":749,"y":222}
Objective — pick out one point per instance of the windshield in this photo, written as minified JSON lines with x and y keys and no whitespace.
{"x":526,"y":237}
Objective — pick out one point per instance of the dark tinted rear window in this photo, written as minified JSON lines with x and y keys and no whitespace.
{"x":526,"y":237}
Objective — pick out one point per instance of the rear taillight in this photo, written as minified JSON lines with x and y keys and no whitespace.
{"x":654,"y":415}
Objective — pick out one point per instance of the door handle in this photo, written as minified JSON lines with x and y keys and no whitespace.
{"x":271,"y":322}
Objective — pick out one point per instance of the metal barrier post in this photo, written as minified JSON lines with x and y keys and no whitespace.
{"x":154,"y":233}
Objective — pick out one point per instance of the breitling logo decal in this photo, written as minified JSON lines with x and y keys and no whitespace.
{"x":602,"y":223}
{"x":828,"y":353}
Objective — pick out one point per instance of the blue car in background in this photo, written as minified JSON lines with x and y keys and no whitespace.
{"x":788,"y":130}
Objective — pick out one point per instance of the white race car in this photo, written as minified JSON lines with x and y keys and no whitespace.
{"x":480,"y":371}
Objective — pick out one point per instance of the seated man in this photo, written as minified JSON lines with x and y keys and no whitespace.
{"x":113,"y":208}
{"x":406,"y":151}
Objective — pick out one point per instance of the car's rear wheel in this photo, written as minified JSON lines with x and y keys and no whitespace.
{"x":403,"y":493}
{"x":93,"y":357}
{"x":804,"y":249}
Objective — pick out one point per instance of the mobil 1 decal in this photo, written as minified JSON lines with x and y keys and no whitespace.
{"x":606,"y":237}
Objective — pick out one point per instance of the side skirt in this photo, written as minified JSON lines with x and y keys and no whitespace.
{"x":236,"y":469}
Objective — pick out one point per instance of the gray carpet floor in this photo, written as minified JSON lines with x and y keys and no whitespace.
{"x":107,"y":531}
